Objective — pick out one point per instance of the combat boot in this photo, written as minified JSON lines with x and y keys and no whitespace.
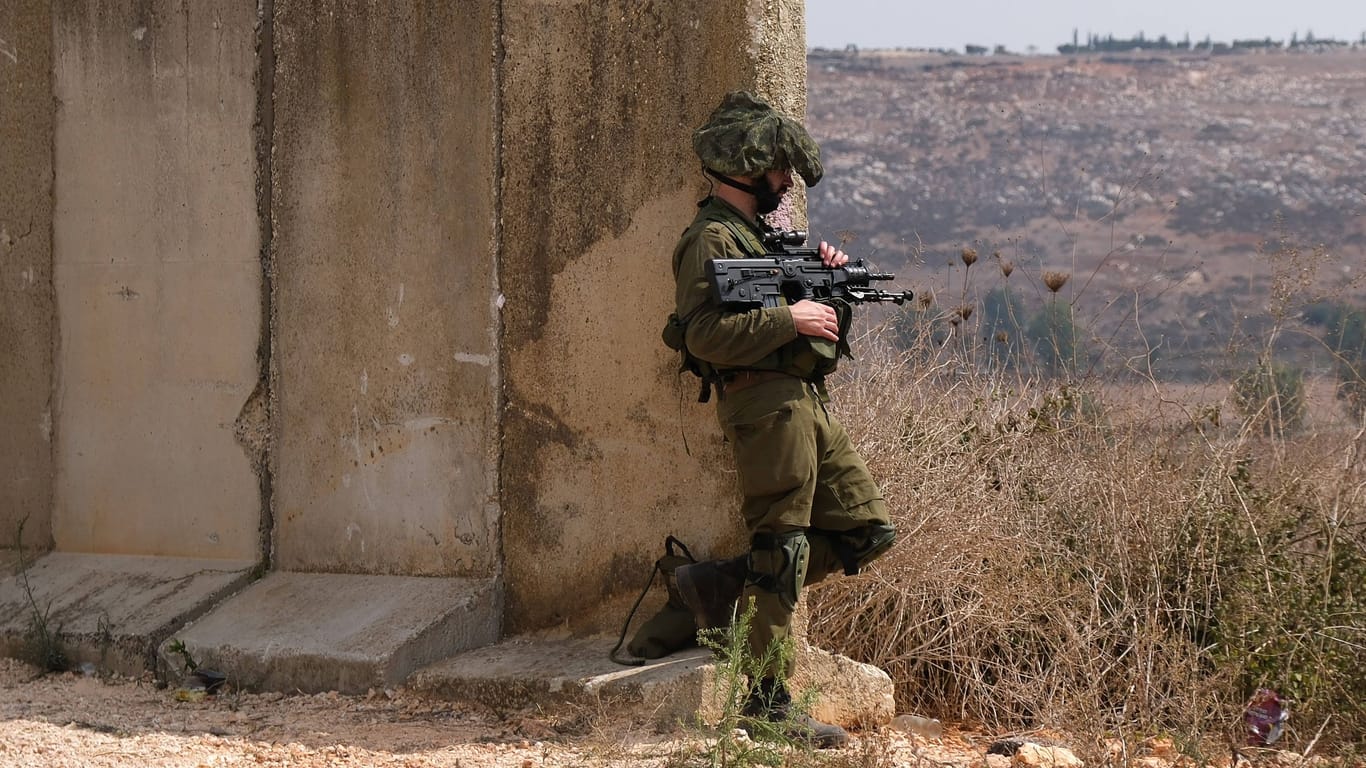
{"x":769,"y":708}
{"x":710,"y":589}
{"x":771,"y":704}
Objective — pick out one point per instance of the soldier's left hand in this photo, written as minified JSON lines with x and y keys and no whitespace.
{"x":832,"y":256}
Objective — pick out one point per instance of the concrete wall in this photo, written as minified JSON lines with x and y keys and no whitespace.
{"x":26,"y":294}
{"x":469,"y":214}
{"x":386,"y":360}
{"x":156,"y":251}
{"x":599,"y":180}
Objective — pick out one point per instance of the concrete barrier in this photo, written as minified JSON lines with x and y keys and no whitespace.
{"x":364,"y":297}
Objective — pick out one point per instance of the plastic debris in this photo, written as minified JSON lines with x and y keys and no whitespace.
{"x":926,"y":727}
{"x":1265,"y":717}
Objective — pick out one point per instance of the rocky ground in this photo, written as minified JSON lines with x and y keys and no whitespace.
{"x":69,"y":720}
{"x":76,"y":720}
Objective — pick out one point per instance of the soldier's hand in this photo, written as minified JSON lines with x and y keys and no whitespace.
{"x":832,"y":256}
{"x":814,"y":319}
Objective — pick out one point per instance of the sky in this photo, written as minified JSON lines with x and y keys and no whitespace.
{"x":1018,"y":24}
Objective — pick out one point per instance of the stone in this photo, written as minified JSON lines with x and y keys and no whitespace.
{"x":1031,"y":755}
{"x":848,"y":693}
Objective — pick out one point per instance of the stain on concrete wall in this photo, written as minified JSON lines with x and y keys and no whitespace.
{"x":158,"y":277}
{"x":26,"y":294}
{"x":386,"y":360}
{"x":600,"y":99}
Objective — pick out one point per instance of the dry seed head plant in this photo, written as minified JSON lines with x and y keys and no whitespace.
{"x":1102,"y":556}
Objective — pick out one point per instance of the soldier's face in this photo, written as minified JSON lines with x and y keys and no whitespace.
{"x":779,"y":181}
{"x":771,"y":188}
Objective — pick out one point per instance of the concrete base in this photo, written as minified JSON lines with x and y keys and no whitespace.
{"x":112,"y":610}
{"x":682,"y":688}
{"x":9,"y":561}
{"x":557,"y":673}
{"x":319,"y":632}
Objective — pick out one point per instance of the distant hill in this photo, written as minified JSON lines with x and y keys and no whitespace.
{"x":1165,"y":184}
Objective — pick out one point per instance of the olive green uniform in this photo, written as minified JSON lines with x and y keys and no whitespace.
{"x":800,"y":476}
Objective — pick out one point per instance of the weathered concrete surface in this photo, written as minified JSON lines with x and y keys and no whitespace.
{"x":547,"y":673}
{"x":600,"y":433}
{"x":678,"y":689}
{"x":320,"y":632}
{"x":158,"y":277}
{"x":112,"y":610}
{"x":27,"y":321}
{"x":386,"y":361}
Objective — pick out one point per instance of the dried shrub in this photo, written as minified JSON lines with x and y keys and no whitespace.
{"x":1072,"y":562}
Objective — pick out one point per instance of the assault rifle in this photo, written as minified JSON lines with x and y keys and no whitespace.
{"x":793,"y":272}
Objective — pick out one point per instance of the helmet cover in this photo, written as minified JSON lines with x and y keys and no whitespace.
{"x":746,"y":137}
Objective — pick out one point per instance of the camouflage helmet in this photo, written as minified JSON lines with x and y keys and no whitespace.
{"x":747,"y":137}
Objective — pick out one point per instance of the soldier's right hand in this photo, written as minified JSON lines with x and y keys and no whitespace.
{"x":815,"y":319}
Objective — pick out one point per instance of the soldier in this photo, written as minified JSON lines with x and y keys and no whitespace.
{"x":810,"y":507}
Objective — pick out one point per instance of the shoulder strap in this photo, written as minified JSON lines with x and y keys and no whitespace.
{"x":744,"y":237}
{"x":752,"y":247}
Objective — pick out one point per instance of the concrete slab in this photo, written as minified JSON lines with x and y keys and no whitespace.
{"x":548,"y":673}
{"x":156,"y":250}
{"x":320,"y":632}
{"x":113,"y":610}
{"x":9,"y":561}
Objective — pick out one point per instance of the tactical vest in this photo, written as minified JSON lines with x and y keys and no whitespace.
{"x":805,"y":357}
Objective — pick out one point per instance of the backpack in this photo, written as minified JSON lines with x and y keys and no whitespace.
{"x":672,"y":628}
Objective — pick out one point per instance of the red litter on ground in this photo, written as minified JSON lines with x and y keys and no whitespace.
{"x":1265,"y":717}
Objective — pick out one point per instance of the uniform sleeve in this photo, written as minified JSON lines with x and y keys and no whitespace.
{"x":720,"y":336}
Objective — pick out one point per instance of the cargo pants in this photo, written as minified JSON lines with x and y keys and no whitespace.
{"x":797,"y":470}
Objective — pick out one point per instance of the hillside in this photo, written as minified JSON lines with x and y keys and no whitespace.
{"x":1180,"y":191}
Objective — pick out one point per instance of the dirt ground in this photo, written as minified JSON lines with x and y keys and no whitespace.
{"x":70,"y":720}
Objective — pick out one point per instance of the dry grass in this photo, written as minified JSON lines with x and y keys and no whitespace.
{"x":1117,"y":568}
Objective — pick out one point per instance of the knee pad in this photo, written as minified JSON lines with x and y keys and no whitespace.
{"x":860,"y":546}
{"x":777,"y":564}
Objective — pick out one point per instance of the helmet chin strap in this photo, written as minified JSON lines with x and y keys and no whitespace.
{"x":728,"y":181}
{"x":765,"y":199}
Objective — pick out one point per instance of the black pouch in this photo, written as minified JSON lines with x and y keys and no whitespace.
{"x":672,"y":628}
